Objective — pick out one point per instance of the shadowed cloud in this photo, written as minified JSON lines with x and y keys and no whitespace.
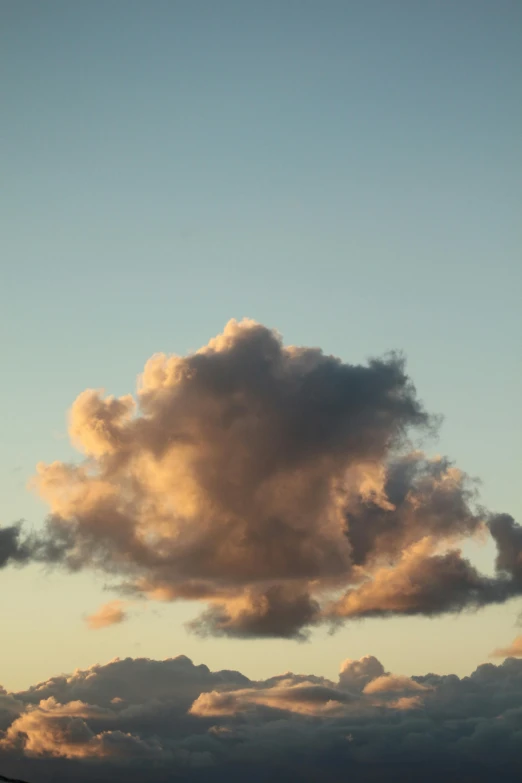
{"x":137,"y":720}
{"x":13,"y":549}
{"x":277,"y":485}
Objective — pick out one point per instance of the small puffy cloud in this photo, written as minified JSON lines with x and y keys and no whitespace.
{"x":356,"y":674}
{"x":111,"y":613}
{"x":513,"y":650}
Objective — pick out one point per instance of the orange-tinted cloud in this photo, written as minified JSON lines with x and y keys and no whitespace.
{"x":421,"y":581}
{"x":110,"y":613}
{"x":275,"y":484}
{"x":363,"y":684}
{"x":305,"y":698}
{"x":121,"y":720}
{"x":393,"y":683}
{"x":56,"y":729}
{"x":513,"y":650}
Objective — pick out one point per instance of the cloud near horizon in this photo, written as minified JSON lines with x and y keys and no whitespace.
{"x":277,"y":485}
{"x":132,"y":719}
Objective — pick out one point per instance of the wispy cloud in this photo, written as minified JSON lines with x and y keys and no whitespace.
{"x":111,"y":613}
{"x":512,"y":650}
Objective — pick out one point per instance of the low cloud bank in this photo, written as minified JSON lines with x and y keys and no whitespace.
{"x":134,"y":720}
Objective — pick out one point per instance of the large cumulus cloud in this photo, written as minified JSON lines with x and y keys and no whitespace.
{"x":277,"y":485}
{"x":137,"y":720}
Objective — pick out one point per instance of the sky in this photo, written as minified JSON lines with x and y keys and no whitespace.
{"x":346,"y":173}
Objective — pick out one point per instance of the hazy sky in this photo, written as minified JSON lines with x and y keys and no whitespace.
{"x":345,"y":172}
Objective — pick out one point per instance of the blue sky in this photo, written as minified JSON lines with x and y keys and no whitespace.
{"x":347,"y":172}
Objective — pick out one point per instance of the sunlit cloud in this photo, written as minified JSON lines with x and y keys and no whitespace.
{"x":278,"y":486}
{"x":513,"y":650}
{"x":111,"y":613}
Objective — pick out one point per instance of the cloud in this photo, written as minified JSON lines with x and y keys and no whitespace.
{"x":277,"y":485}
{"x":134,"y":719}
{"x":514,"y":650}
{"x":111,"y":613}
{"x":10,"y":708}
{"x":422,"y":583}
{"x":134,"y":681}
{"x":305,"y":698}
{"x":12,"y":547}
{"x":508,"y":537}
{"x":278,"y":611}
{"x":356,"y":674}
{"x":393,"y":683}
{"x":57,"y":730}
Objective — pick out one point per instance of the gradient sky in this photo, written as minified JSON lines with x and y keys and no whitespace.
{"x":347,"y":172}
